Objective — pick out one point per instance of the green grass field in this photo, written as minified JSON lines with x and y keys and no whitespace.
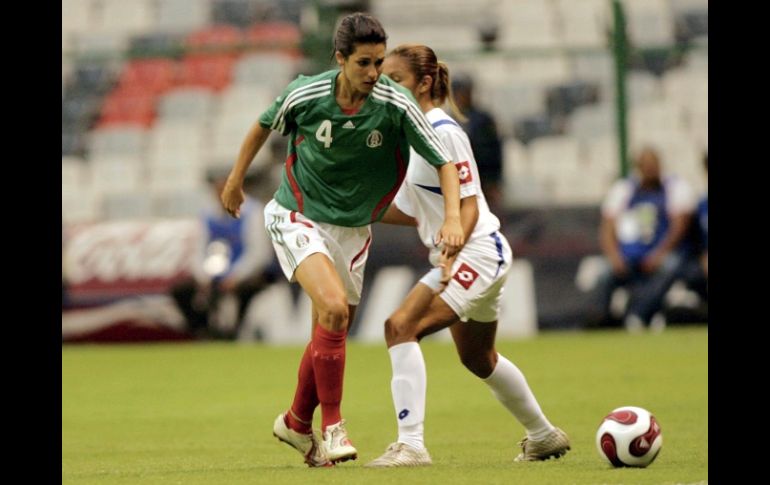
{"x":203,"y":413}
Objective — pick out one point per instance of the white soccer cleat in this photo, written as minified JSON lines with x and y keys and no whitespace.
{"x":401,"y":454}
{"x":555,"y":444}
{"x":306,"y":444}
{"x":336,"y":445}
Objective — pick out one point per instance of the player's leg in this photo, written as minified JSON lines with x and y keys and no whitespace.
{"x":475,"y":342}
{"x":320,"y":280}
{"x":409,"y":379}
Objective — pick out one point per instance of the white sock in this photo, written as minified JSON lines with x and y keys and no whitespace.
{"x":510,"y":387}
{"x":408,"y":386}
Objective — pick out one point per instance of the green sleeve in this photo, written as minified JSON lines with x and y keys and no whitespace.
{"x":274,"y":118}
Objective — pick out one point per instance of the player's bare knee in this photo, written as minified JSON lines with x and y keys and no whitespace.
{"x":333,"y":314}
{"x":481,"y":364}
{"x":397,"y":330}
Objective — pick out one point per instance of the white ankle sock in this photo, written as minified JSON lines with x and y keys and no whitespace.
{"x":408,"y":386}
{"x":510,"y":387}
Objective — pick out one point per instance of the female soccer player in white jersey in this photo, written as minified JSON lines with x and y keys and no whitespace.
{"x":349,"y":136}
{"x":465,"y":296}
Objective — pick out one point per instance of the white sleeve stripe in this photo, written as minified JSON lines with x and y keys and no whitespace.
{"x":310,"y":96}
{"x":323,"y":84}
{"x":399,"y":99}
{"x":417,"y":117}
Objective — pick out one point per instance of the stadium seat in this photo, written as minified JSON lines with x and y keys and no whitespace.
{"x":83,"y":206}
{"x":511,"y":101}
{"x":134,"y":17}
{"x":156,"y":45}
{"x":212,"y":71}
{"x":128,"y":106}
{"x":75,"y":174}
{"x":583,"y":24}
{"x":182,"y":15}
{"x":273,"y":70}
{"x":273,"y":35}
{"x":215,"y":39}
{"x":592,"y":121}
{"x":186,"y":104}
{"x":526,"y":24}
{"x":251,"y":99}
{"x":532,"y":127}
{"x":154,"y":76}
{"x":117,"y":174}
{"x":178,"y":203}
{"x":649,"y":23}
{"x":119,"y":139}
{"x":564,"y":98}
{"x":642,"y":88}
{"x":127,"y":205}
{"x":238,"y":13}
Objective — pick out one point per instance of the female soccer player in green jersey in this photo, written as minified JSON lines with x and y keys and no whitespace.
{"x":349,"y":136}
{"x":462,"y":292}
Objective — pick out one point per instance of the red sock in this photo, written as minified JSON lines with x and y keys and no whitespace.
{"x":329,"y":367}
{"x":300,"y":415}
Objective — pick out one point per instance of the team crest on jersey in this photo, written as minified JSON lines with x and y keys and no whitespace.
{"x":464,"y":170}
{"x":465,"y":275}
{"x":374,"y":139}
{"x":302,"y":240}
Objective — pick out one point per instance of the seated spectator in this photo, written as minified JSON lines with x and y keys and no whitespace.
{"x":644,"y":220}
{"x":233,"y":263}
{"x":696,"y":271}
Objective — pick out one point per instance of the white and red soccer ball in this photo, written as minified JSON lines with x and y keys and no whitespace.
{"x":629,"y":436}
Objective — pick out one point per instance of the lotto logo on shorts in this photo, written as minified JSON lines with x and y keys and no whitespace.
{"x":464,"y":170}
{"x":466,"y":276}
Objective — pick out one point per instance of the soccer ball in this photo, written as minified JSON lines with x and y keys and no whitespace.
{"x":629,"y":436}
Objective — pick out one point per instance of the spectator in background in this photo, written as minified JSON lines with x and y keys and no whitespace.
{"x":485,"y":142}
{"x":696,"y":272}
{"x":232,"y":265}
{"x":644,"y":220}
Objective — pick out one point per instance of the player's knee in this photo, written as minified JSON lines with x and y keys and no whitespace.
{"x":397,"y":329}
{"x":333,"y":313}
{"x":481,"y":364}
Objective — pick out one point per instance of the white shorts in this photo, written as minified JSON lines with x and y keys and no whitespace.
{"x":295,"y":237}
{"x":478,"y":276}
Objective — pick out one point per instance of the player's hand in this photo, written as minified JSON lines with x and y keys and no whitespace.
{"x":232,"y":197}
{"x":452,"y":236}
{"x":446,"y":263}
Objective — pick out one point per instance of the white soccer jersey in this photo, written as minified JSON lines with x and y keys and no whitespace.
{"x":420,"y":194}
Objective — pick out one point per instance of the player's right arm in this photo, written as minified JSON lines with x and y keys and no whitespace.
{"x":279,"y":117}
{"x":232,"y":194}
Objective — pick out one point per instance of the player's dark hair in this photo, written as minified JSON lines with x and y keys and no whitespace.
{"x":422,"y":61}
{"x":358,"y":28}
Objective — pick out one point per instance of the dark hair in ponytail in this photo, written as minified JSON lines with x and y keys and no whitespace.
{"x":422,"y":62}
{"x":358,"y":28}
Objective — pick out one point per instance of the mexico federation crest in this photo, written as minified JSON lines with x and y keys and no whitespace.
{"x":374,"y":139}
{"x":302,"y":240}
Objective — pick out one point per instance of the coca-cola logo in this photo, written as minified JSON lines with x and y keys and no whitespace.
{"x":129,"y":251}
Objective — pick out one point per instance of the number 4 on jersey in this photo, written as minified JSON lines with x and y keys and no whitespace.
{"x":324,"y":133}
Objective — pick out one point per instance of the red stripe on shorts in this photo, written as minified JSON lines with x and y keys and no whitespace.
{"x":293,"y":217}
{"x":362,"y":251}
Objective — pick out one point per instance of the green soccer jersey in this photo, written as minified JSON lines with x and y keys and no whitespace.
{"x":345,"y":169}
